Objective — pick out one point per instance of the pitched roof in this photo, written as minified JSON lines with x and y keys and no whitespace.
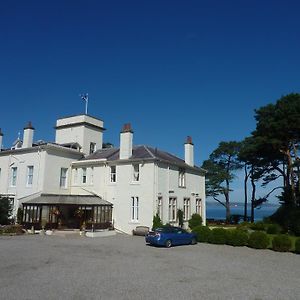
{"x":142,"y":152}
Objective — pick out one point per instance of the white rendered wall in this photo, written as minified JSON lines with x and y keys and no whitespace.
{"x":27,"y":138}
{"x":189,"y":154}
{"x":168,"y":187}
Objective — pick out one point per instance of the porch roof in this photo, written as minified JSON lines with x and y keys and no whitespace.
{"x":53,"y":199}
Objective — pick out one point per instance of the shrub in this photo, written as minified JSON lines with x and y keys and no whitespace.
{"x":218,"y":236}
{"x":258,"y":240}
{"x":180,"y":217}
{"x":12,"y":229}
{"x":5,"y":210}
{"x":237,"y":237}
{"x":258,"y":226}
{"x":156,"y":222}
{"x":195,"y":221}
{"x":203,"y":233}
{"x":273,"y":229}
{"x":281,"y":243}
{"x":297,"y":246}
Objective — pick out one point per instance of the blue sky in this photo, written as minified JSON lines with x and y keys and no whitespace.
{"x":171,"y":68}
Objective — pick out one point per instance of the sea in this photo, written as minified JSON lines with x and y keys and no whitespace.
{"x":217,"y":211}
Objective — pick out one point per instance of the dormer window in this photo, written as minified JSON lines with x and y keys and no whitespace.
{"x":181,"y":178}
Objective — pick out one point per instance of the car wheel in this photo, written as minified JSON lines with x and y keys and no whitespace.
{"x":168,"y":243}
{"x":194,"y":241}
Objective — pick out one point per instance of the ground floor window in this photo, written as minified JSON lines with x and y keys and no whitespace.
{"x":172,"y":209}
{"x":160,"y":207}
{"x":134,"y":208}
{"x":198,"y":206}
{"x":186,"y":208}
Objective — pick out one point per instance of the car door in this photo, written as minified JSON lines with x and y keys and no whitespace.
{"x":183,"y":237}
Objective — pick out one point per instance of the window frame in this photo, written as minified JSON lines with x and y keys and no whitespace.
{"x":198,"y":206}
{"x":172,"y":209}
{"x":92,"y":147}
{"x":14,"y":175}
{"x":113,"y":175}
{"x":63,"y":179}
{"x":83,"y":175}
{"x":186,"y":208}
{"x":181,"y":178}
{"x":29,"y":176}
{"x":134,"y":213}
{"x":136,"y":178}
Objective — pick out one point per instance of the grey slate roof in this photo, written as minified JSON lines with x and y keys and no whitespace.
{"x":65,"y":199}
{"x":142,"y":152}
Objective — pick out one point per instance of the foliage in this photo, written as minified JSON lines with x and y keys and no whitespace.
{"x":19,"y":215}
{"x":282,"y":243}
{"x":237,"y":237}
{"x":258,"y":226}
{"x":11,"y":229}
{"x":273,"y":229}
{"x":258,"y":240}
{"x":218,"y":236}
{"x":220,"y":166}
{"x":288,"y":217}
{"x":203,"y":233}
{"x":195,"y":221}
{"x":180,"y":217}
{"x":297,"y":246}
{"x":5,"y":210}
{"x":157,"y":223}
{"x":235,"y":219}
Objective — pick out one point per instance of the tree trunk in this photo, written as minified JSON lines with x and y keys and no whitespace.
{"x":227,"y":202}
{"x":291,"y":175}
{"x":253,"y":195}
{"x":246,"y":193}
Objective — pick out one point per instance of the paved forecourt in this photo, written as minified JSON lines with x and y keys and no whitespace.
{"x":123,"y":267}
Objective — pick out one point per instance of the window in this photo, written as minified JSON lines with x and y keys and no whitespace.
{"x":75,"y":176}
{"x":172,"y":209}
{"x":83,"y":175}
{"x":13,"y":176}
{"x":159,"y":207}
{"x":92,"y":147}
{"x":136,"y":172}
{"x":63,"y":177}
{"x":29,"y":175}
{"x":113,"y":174}
{"x":181,"y":178}
{"x":186,"y":208}
{"x":92,"y":176}
{"x":198,"y":206}
{"x":134,"y":209}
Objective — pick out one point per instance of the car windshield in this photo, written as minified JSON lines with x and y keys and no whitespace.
{"x":170,"y":230}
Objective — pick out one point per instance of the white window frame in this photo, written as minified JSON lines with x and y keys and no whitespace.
{"x":29,"y":177}
{"x":181,"y":178}
{"x":134,"y":214}
{"x":186,"y":208}
{"x":113,"y":175}
{"x":92,"y":147}
{"x":136,"y":172}
{"x":14,"y":174}
{"x":63,"y":177}
{"x":83,"y":176}
{"x":172,"y":209}
{"x":199,"y":206}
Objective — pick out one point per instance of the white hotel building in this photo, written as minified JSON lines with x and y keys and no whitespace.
{"x":63,"y":183}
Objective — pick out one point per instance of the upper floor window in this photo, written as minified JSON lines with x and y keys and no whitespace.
{"x":136,"y":172}
{"x":92,"y":147}
{"x":186,"y":208}
{"x":113,"y":174}
{"x":75,"y":178}
{"x":181,"y":178}
{"x":198,"y":206}
{"x":172,"y":209}
{"x":134,"y":208}
{"x":29,"y":176}
{"x":13,"y":176}
{"x":83,"y":175}
{"x":63,"y":177}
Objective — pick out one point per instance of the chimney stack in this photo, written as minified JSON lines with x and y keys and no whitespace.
{"x":189,"y":152}
{"x":1,"y":139}
{"x":28,"y":136}
{"x":126,"y":138}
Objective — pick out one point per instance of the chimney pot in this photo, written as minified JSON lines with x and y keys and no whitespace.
{"x":29,"y":125}
{"x":189,"y":140}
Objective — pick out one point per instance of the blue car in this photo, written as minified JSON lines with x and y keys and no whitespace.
{"x":170,"y":236}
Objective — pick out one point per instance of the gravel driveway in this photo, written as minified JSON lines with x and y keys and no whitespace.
{"x":123,"y":267}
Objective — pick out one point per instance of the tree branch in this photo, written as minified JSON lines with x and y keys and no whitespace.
{"x":219,"y":201}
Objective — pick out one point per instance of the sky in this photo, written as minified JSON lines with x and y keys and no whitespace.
{"x":170,"y":68}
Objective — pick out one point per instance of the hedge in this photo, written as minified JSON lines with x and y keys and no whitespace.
{"x":203,"y":233}
{"x":258,"y":240}
{"x":218,"y":236}
{"x":237,"y":237}
{"x":281,"y":243}
{"x":297,"y":246}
